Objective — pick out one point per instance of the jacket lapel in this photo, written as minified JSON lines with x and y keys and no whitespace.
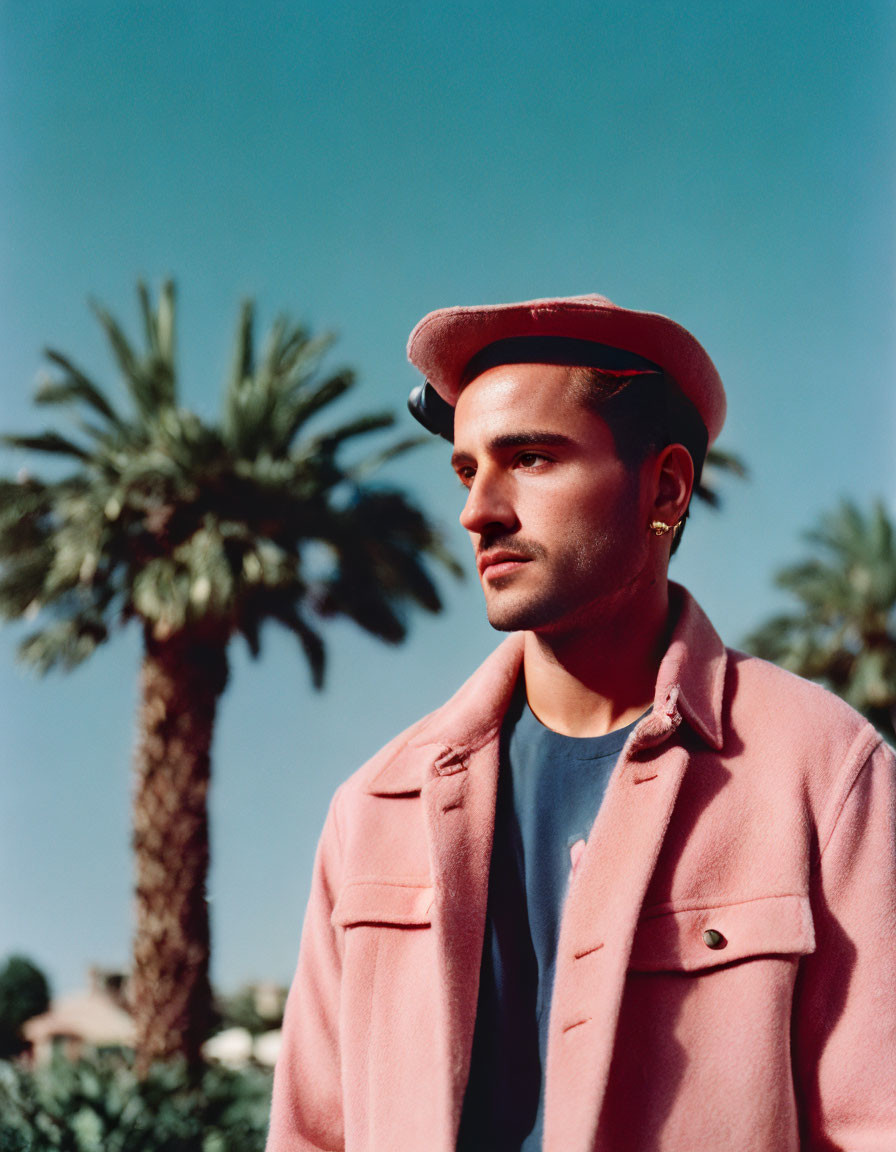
{"x":605,"y":897}
{"x":458,"y":751}
{"x":459,"y":802}
{"x":596,"y":936}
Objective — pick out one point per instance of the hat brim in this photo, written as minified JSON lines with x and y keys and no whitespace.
{"x":445,"y":341}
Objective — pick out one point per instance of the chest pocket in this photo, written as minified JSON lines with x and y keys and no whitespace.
{"x":689,"y":938}
{"x":405,"y":904}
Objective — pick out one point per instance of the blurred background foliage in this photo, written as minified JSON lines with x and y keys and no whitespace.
{"x":100,"y":1104}
{"x":24,"y":992}
{"x":841,"y":631}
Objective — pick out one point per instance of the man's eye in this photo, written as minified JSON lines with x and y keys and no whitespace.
{"x":530,"y":459}
{"x":465,"y":475}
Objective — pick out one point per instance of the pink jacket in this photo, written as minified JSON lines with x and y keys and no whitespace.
{"x":726,"y":969}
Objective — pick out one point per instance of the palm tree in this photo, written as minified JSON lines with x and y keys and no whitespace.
{"x":200,"y":532}
{"x":844,"y":636}
{"x":718,"y":460}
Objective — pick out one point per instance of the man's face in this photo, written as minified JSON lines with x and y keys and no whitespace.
{"x":557,"y":521}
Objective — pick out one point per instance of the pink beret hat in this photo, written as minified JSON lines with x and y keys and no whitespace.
{"x":444,"y":342}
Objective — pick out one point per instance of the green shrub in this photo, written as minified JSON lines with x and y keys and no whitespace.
{"x":24,"y":993}
{"x":99,"y":1105}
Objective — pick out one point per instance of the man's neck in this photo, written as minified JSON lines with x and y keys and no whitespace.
{"x":602,"y":676}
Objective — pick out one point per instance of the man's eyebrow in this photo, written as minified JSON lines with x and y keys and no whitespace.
{"x":517,"y":440}
{"x":520,"y":439}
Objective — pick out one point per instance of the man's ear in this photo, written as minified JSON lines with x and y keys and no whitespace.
{"x":673,"y":482}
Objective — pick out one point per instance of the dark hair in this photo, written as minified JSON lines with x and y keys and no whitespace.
{"x":645,"y":412}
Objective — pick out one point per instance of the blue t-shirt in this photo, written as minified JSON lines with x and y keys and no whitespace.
{"x":550,"y":788}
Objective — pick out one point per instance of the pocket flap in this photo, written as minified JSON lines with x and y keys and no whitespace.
{"x":381,"y":902}
{"x":688,"y":939}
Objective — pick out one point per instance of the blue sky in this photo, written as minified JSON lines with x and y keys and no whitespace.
{"x":356,"y":165}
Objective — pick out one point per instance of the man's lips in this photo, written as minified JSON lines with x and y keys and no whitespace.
{"x":500,"y":563}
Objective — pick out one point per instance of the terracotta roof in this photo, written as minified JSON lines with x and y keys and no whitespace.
{"x":90,"y":1016}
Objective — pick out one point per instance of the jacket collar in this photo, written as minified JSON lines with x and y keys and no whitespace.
{"x":690,"y":686}
{"x":469,"y":720}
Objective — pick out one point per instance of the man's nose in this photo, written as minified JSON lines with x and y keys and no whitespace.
{"x":488,"y":505}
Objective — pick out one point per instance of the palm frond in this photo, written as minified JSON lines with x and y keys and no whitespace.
{"x":300,"y":356}
{"x":124,"y":353}
{"x":65,"y":644}
{"x":373,"y":463}
{"x":243,"y":353}
{"x":844,"y":631}
{"x":307,"y":403}
{"x":150,"y":380}
{"x":313,"y":647}
{"x":328,"y":442}
{"x":179,"y":521}
{"x":22,"y":582}
{"x":75,"y":386}
{"x":53,"y":443}
{"x":165,"y":325}
{"x":724,"y":461}
{"x":150,"y":334}
{"x":354,"y":594}
{"x":718,"y":460}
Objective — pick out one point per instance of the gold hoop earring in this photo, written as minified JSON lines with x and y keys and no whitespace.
{"x":660,"y":527}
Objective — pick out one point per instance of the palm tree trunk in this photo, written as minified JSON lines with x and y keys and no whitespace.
{"x":181,"y":680}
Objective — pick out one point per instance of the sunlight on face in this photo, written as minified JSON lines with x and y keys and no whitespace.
{"x":553,"y":514}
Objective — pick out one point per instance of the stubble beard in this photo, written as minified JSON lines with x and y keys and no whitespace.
{"x":585,"y":583}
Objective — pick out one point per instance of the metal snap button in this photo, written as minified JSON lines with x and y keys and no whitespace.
{"x":714,"y":939}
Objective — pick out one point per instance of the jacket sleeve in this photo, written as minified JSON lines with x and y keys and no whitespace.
{"x":306,"y":1110}
{"x":845,"y":1031}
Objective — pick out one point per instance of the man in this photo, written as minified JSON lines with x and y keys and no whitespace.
{"x":627,"y":890}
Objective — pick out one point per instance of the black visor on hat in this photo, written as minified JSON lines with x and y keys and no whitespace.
{"x":556,"y":350}
{"x":437,"y":415}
